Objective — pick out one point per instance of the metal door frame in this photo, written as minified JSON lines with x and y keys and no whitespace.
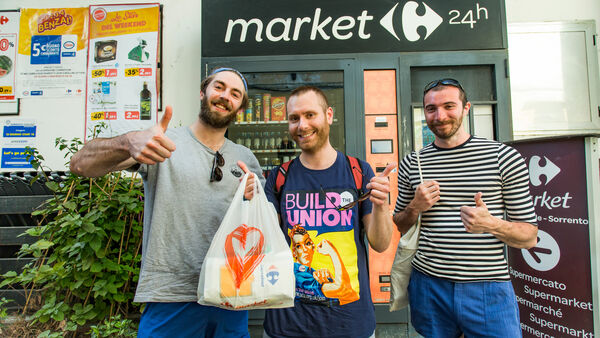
{"x":498,"y":60}
{"x":353,"y":116}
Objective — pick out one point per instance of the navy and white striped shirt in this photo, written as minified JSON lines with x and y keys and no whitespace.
{"x":446,"y":249}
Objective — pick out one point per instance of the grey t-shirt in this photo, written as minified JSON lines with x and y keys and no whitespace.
{"x":182,"y":212}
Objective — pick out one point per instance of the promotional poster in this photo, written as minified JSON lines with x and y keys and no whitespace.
{"x":9,"y":28}
{"x":122,"y":64}
{"x":52,"y":47}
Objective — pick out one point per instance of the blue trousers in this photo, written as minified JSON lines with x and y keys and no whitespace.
{"x":191,"y":320}
{"x":442,"y":308}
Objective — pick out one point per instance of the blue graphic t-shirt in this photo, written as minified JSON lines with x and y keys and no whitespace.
{"x":332,"y":282}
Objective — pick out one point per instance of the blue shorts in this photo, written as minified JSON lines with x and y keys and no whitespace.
{"x":191,"y":320}
{"x":441,"y":308}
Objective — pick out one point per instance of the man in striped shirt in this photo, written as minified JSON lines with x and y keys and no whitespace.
{"x":460,"y":282}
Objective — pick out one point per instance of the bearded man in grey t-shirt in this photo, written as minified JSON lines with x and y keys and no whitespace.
{"x":187,"y":192}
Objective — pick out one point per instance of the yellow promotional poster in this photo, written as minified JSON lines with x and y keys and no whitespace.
{"x":51,"y":53}
{"x":122,"y":22}
{"x":122,"y":63}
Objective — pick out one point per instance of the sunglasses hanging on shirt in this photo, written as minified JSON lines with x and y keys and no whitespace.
{"x":216,"y":174}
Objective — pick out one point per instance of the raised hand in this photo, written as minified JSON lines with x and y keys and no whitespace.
{"x":380,"y":186}
{"x":151,"y":146}
{"x":478,"y":219}
{"x":249,"y":191}
{"x":426,"y":195}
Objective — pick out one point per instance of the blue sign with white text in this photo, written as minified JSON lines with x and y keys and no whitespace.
{"x":19,"y":131}
{"x":15,"y":158}
{"x":45,"y":49}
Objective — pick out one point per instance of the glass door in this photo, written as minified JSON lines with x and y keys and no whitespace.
{"x":264,"y":127}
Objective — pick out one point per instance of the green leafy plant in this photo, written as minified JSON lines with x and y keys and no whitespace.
{"x":3,"y":313}
{"x":114,"y":327}
{"x":87,"y":252}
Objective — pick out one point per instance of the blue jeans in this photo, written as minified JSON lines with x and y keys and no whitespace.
{"x":442,"y":308}
{"x":191,"y":320}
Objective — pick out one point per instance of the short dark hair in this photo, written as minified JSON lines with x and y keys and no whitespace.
{"x":437,"y":85}
{"x":204,"y":84}
{"x":304,"y":89}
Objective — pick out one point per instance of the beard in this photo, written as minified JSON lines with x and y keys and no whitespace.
{"x":454,"y":123}
{"x":213,"y":118}
{"x":321,"y":135}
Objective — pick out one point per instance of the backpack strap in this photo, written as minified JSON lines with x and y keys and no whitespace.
{"x":281,"y":176}
{"x":356,"y":171}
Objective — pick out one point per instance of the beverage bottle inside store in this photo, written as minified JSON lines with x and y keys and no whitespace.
{"x":247,"y":139}
{"x":278,"y":139}
{"x":272,"y":137}
{"x":265,"y":140}
{"x":145,"y":102}
{"x":285,"y":141}
{"x":256,"y":143}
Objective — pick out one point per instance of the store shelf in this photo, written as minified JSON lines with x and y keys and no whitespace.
{"x":265,"y":151}
{"x":260,"y":122}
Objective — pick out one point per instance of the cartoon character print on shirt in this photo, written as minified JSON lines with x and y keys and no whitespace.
{"x":323,"y":246}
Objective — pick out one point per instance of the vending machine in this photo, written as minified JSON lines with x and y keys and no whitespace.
{"x":263,"y":127}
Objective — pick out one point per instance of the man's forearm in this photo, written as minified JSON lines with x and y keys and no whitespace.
{"x":518,"y":235}
{"x":406,"y":218}
{"x":379,"y":232}
{"x":101,"y":156}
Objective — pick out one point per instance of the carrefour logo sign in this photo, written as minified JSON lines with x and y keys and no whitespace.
{"x":270,"y":27}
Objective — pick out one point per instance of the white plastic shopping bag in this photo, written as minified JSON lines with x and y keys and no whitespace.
{"x":249,"y":264}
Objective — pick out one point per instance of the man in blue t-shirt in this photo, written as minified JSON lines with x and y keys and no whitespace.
{"x":325,"y":232}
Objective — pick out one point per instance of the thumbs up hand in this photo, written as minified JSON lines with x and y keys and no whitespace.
{"x":478,"y":220}
{"x":151,"y":146}
{"x":249,"y":191}
{"x":380,"y":186}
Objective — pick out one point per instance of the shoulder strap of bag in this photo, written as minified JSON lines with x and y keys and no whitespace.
{"x":356,"y":169}
{"x":419,"y":166}
{"x":281,"y":176}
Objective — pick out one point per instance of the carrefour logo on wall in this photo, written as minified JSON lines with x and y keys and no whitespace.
{"x":411,"y":21}
{"x":549,"y":170}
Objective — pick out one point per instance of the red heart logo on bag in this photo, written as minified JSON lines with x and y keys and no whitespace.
{"x":244,"y":250}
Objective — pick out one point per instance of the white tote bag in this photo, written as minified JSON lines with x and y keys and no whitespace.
{"x":249,"y":264}
{"x":402,"y":267}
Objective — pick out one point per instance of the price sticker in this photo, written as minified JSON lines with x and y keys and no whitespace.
{"x":145,"y":71}
{"x":99,"y":115}
{"x":6,"y":90}
{"x":132,"y":72}
{"x":110,"y":115}
{"x":112,"y":72}
{"x":132,"y":115}
{"x":97,"y":73}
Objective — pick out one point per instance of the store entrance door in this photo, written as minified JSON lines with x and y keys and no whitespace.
{"x":484,"y":77}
